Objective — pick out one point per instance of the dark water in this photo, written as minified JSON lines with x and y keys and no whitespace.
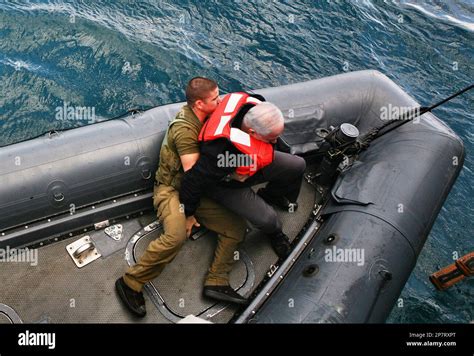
{"x":115,"y":55}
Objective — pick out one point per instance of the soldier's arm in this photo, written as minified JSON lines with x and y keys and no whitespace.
{"x":186,"y":144}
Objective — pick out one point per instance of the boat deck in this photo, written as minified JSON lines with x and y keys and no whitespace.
{"x":56,"y":291}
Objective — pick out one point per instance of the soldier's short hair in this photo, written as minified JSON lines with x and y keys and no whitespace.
{"x":199,"y":88}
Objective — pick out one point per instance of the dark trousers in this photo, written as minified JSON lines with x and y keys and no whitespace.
{"x":284,"y":176}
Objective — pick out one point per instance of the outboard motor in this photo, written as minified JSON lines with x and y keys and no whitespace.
{"x":338,"y":142}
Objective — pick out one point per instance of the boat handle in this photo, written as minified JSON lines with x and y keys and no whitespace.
{"x":146,"y":173}
{"x":83,"y":249}
{"x":58,"y":197}
{"x":53,"y":133}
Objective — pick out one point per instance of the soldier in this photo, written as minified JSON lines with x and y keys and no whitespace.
{"x":179,"y":152}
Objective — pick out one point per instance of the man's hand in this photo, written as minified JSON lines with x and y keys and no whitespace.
{"x":190,"y":222}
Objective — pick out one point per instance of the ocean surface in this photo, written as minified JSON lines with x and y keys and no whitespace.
{"x":114,"y":55}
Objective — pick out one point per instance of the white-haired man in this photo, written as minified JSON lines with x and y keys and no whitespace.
{"x":245,"y":126}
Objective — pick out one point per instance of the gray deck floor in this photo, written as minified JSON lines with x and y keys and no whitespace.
{"x":56,"y":291}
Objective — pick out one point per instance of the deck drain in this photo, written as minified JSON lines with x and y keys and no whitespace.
{"x":311,"y":270}
{"x":331,"y":239}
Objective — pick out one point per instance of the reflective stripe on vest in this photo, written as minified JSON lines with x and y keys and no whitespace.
{"x":256,"y":154}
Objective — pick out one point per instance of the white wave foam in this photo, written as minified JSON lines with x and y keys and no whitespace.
{"x":19,"y":64}
{"x":442,"y":16}
{"x":28,"y":6}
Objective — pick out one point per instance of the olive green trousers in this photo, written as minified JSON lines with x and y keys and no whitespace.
{"x":230,"y":229}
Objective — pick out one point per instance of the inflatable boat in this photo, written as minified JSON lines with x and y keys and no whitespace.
{"x":76,"y":210}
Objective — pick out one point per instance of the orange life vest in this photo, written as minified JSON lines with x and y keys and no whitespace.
{"x":218,"y":125}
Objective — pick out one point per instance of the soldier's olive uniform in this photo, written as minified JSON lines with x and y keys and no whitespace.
{"x":181,"y":139}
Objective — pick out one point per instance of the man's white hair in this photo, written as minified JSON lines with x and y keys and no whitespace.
{"x":262,"y":118}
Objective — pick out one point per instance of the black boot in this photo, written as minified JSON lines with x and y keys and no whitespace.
{"x":134,"y":301}
{"x":281,"y":244}
{"x":224,"y":293}
{"x":278,"y":201}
